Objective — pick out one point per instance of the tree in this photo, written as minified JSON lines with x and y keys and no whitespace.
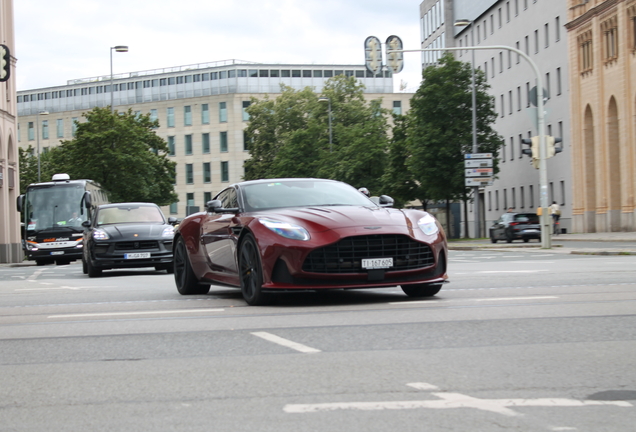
{"x":28,"y":161}
{"x":122,"y":152}
{"x":441,"y":127}
{"x":398,"y":181}
{"x":289,"y":136}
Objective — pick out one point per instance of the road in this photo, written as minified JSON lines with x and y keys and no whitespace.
{"x":528,"y":341}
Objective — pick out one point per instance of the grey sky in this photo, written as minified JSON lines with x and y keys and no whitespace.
{"x":68,"y":39}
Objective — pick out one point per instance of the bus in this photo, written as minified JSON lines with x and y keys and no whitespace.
{"x":52,"y":217}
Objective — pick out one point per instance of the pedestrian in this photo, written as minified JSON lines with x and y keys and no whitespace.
{"x":555,"y":212}
{"x":510,"y":210}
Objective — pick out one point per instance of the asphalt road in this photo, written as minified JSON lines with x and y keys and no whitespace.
{"x":528,"y":341}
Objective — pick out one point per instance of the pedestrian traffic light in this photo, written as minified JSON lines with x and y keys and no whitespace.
{"x":5,"y":59}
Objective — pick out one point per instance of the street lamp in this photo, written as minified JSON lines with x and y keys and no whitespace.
{"x":326,"y":99}
{"x":37,"y":131}
{"x":464,"y":23}
{"x":118,"y":48}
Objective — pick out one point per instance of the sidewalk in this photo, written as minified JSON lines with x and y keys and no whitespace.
{"x":622,"y":243}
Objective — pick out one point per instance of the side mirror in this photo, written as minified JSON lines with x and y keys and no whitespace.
{"x":216,"y":206}
{"x":385,"y":201}
{"x":19,"y":202}
{"x":172,"y":220}
{"x":86,"y":224}
{"x":88,"y":202}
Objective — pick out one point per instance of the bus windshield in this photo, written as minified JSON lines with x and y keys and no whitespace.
{"x":54,"y":206}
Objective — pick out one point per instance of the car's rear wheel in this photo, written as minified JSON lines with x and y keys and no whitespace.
{"x":91,"y":270}
{"x":184,"y":277}
{"x":509,"y":237}
{"x":251,"y":273}
{"x":526,"y":240}
{"x":492,"y":237}
{"x":421,"y":290}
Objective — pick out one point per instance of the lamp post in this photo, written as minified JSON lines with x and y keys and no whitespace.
{"x":326,"y":99}
{"x":118,"y":48}
{"x":463,"y":23}
{"x":37,"y":131}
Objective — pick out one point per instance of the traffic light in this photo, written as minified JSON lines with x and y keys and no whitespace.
{"x":533,"y":151}
{"x":5,"y":59}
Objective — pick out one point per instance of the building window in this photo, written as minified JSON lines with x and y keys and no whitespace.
{"x":207,"y":178}
{"x":505,"y":198}
{"x":528,"y":94}
{"x":205,"y":143}
{"x":153,"y":115}
{"x":246,"y":140}
{"x":205,"y":114}
{"x":522,"y":200}
{"x":45,"y":129}
{"x":170,"y":117}
{"x":489,"y":201}
{"x":190,"y":201}
{"x":585,"y":52}
{"x":536,"y":41}
{"x":558,"y":83}
{"x":397,"y":107}
{"x":60,"y":128}
{"x":547,"y":86}
{"x":518,"y":55}
{"x":31,"y":131}
{"x":174,"y":208}
{"x":73,"y":126}
{"x":171,"y":146}
{"x":557,"y":31}
{"x":510,"y":104}
{"x":547,"y":35}
{"x":527,"y":45}
{"x":503,"y":106}
{"x":513,"y":198}
{"x":188,"y":144}
{"x":223,"y":141}
{"x":610,"y":39}
{"x":520,"y":146}
{"x":246,"y":116}
{"x":189,"y":174}
{"x":497,"y":200}
{"x":519,"y":98}
{"x":222,"y":112}
{"x":562,"y":193}
{"x":225,"y":171}
{"x":531,"y":196}
{"x":512,"y":148}
{"x":207,"y":197}
{"x":187,"y":115}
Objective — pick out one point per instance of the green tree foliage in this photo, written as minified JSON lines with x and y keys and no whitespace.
{"x":28,"y":161}
{"x":289,"y":136}
{"x":122,"y":152}
{"x":398,"y":181}
{"x":440,"y":127}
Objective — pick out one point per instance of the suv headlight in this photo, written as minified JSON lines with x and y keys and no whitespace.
{"x":168,"y":232}
{"x":100,"y":235}
{"x":428,"y":225}
{"x":285,"y":229}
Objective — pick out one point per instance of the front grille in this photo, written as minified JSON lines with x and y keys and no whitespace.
{"x":148,"y":244}
{"x":346,"y":256}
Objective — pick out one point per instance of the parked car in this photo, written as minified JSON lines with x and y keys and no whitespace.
{"x":513,"y":226}
{"x":273,"y":235}
{"x":127,"y":235}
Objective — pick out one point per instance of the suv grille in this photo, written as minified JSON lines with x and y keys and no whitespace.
{"x":148,"y":244}
{"x":346,"y":256}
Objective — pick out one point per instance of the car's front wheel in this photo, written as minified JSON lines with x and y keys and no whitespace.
{"x":91,"y":270}
{"x":251,"y":273}
{"x":492,"y":237}
{"x":184,"y":277}
{"x":421,"y":290}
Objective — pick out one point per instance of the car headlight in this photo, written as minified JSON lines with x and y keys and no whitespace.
{"x":100,"y":235}
{"x":168,"y":232}
{"x":428,"y":225}
{"x":287,"y":230}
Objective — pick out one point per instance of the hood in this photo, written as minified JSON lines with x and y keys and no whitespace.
{"x":319,"y":219}
{"x":144,"y":230}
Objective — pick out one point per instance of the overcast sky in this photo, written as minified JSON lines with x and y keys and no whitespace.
{"x":59,"y":40}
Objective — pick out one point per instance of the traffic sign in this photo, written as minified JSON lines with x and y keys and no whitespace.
{"x":373,"y":54}
{"x":478,"y":156}
{"x":394,"y":60}
{"x":479,"y":172}
{"x":478,"y":181}
{"x":477,"y":163}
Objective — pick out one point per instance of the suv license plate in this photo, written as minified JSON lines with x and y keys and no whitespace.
{"x":377,"y":263}
{"x":57,"y":253}
{"x":137,"y":255}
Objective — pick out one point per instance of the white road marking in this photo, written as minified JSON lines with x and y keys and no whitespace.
{"x":516,"y":298}
{"x":106,"y":314}
{"x":423,"y":386}
{"x":512,"y":271}
{"x":35,"y":275}
{"x":63,"y":287}
{"x":286,"y":343}
{"x":451,"y":400}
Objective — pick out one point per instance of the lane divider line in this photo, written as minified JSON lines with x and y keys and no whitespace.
{"x":286,"y":342}
{"x":105,"y":314}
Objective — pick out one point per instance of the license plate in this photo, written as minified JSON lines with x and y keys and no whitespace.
{"x":57,"y":253}
{"x":137,"y":255}
{"x":377,"y":263}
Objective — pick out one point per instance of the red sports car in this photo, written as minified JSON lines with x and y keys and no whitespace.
{"x":307,"y":234}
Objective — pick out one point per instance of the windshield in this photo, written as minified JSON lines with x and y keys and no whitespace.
{"x":301,"y":193}
{"x":56,"y":206}
{"x":129,"y":214}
